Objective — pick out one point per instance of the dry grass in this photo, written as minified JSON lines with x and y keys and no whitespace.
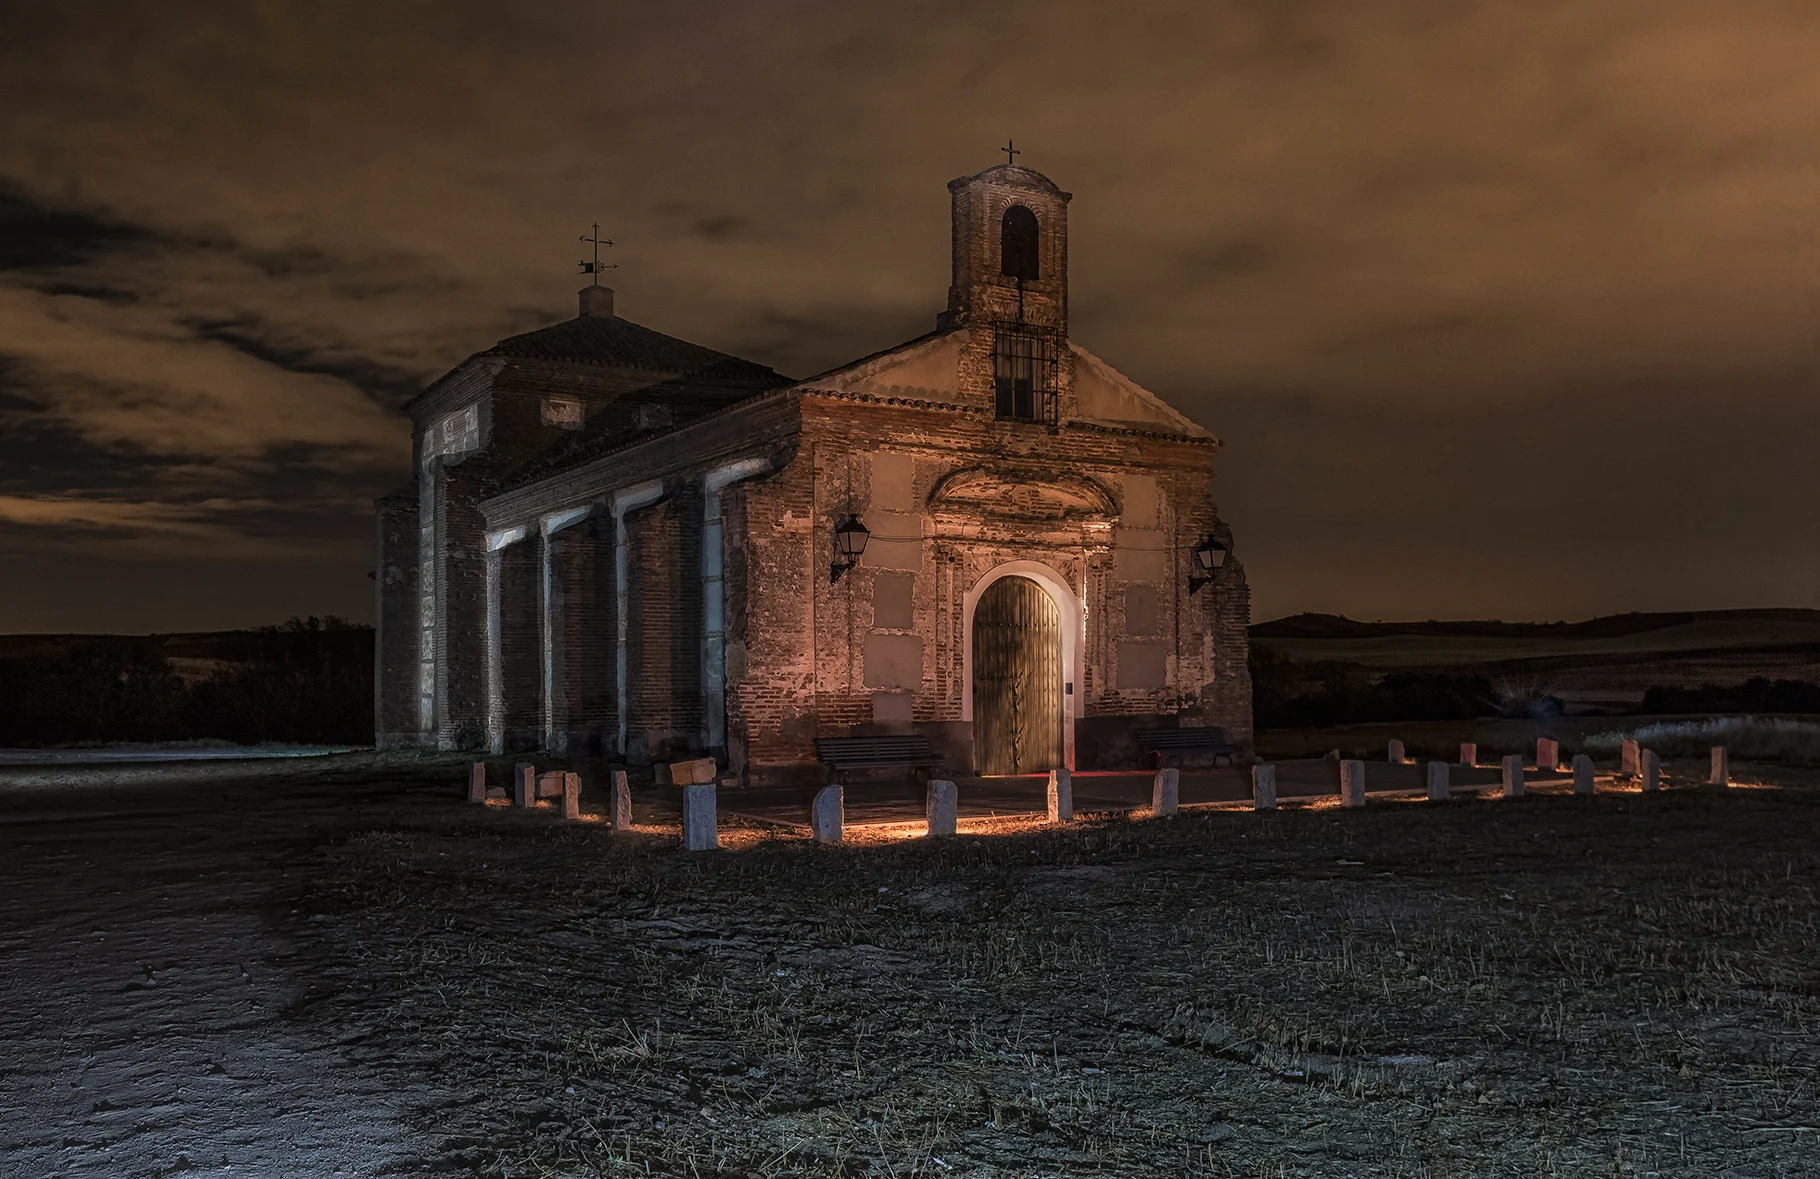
{"x":1556,"y":986}
{"x":1772,"y":739}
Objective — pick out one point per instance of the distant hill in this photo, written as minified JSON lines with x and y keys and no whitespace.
{"x":1610,"y":626}
{"x":1618,"y":663}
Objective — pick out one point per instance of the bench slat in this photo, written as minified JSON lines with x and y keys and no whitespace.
{"x":1200,"y":739}
{"x":876,"y":751}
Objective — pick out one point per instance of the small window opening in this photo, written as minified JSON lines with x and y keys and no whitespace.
{"x":1017,"y":244}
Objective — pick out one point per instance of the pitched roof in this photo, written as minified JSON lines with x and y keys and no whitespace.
{"x":610,"y":340}
{"x":688,"y":397}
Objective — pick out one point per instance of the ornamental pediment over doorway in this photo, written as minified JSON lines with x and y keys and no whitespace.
{"x":1022,"y":494}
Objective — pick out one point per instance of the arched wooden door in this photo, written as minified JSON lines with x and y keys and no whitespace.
{"x":1017,"y":679}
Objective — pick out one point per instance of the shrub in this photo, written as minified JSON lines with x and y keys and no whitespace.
{"x":1751,"y":738}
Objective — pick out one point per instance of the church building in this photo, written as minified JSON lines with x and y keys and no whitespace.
{"x":619,"y":544}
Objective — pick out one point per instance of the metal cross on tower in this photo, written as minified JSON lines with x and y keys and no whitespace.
{"x":1010,"y":152}
{"x":596,"y":266}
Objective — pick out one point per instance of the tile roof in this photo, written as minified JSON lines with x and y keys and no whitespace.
{"x":610,"y":340}
{"x":688,"y":397}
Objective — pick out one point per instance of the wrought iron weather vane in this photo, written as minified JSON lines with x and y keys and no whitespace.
{"x":596,"y":266}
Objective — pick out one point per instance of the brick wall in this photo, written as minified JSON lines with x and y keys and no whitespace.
{"x":774,"y":569}
{"x":583,"y":637}
{"x":796,"y":641}
{"x":520,"y":640}
{"x":510,"y":397}
{"x":793,"y":609}
{"x":664,"y":642}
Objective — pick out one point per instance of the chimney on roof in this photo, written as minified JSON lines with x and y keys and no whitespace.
{"x":597,"y":300}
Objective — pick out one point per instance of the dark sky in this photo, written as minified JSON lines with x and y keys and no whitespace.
{"x":1503,"y":310}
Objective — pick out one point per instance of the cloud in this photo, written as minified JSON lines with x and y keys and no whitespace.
{"x":233,"y":237}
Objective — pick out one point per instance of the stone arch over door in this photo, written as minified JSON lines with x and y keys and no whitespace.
{"x":1071,"y":620}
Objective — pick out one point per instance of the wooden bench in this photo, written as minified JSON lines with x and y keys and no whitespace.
{"x":1166,"y":743}
{"x":840,"y":754}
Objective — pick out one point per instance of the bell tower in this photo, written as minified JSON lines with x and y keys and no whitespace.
{"x":1010,"y":250}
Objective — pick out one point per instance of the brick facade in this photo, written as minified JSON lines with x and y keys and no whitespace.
{"x":594,"y":519}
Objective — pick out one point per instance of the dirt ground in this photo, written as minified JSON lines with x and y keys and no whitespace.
{"x":291,"y":969}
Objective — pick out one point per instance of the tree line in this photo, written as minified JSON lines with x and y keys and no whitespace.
{"x":307,"y":681}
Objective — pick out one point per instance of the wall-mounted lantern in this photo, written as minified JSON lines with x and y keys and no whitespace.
{"x":1209,"y":555}
{"x":850,"y":538}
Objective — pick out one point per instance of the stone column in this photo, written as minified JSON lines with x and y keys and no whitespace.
{"x":1263,"y":787}
{"x":1397,"y":755}
{"x":1166,"y":791}
{"x":1439,"y":785}
{"x":1721,"y":774}
{"x":619,"y":808}
{"x":571,"y":795}
{"x":942,"y":808}
{"x":1628,"y":761}
{"x":1061,"y":797}
{"x":1548,"y":754}
{"x":1469,"y":754}
{"x":1651,"y":770}
{"x":1352,"y":783}
{"x":1513,"y":776}
{"x":827,"y":814}
{"x":477,"y":782}
{"x":524,"y":784}
{"x":700,"y":824}
{"x":1583,"y":774}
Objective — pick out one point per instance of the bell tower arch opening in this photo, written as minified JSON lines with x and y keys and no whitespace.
{"x":1018,"y":237}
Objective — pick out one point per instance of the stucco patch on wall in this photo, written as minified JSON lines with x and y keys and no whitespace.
{"x":894,"y":601}
{"x":1141,"y":555}
{"x":1143,"y":612}
{"x":893,"y":661}
{"x":1139,"y":510}
{"x":896,"y":541}
{"x":893,"y":482}
{"x":1143,"y":665}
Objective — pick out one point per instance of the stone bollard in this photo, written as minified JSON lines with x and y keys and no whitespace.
{"x":827,"y":814}
{"x":1438,"y":785}
{"x":1397,"y":755}
{"x":1166,"y":791}
{"x":700,"y":824}
{"x":549,"y":784}
{"x":1651,"y":770}
{"x":1628,"y":761}
{"x":1583,"y":774}
{"x":942,"y":807}
{"x":1061,"y":797}
{"x":477,"y":782}
{"x":1721,"y":774}
{"x":1263,"y":787}
{"x":524,"y":784}
{"x":619,"y":806}
{"x":1352,"y":783}
{"x":1469,"y":754}
{"x":1548,"y":753}
{"x":1513,"y":776}
{"x":571,"y":795}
